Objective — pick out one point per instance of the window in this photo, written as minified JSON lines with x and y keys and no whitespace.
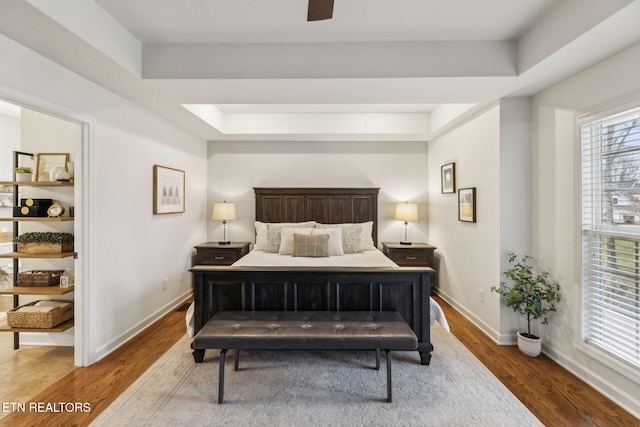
{"x":610,"y":156}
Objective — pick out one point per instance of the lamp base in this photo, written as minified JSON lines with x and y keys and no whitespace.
{"x":224,"y":243}
{"x":405,"y":243}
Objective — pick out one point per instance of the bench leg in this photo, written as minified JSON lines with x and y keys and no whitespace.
{"x":198,"y":355}
{"x":236,"y":364}
{"x":377,"y":359}
{"x":389,"y":396}
{"x":223,"y":352}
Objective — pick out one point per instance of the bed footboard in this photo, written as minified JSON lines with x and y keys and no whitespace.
{"x":405,"y":290}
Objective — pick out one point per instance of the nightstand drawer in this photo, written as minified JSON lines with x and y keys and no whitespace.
{"x":217,"y":257}
{"x":217,"y":254}
{"x":414,"y":255}
{"x":410,"y":257}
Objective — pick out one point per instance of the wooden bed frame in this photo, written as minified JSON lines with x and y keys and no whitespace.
{"x":404,"y":289}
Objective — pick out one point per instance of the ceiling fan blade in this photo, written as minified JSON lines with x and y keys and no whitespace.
{"x":319,"y":10}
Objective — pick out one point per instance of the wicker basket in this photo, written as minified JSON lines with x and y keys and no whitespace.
{"x":51,"y":319}
{"x":39,"y":278}
{"x":44,"y":248}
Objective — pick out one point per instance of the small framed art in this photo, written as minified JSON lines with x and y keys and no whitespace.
{"x":448,"y":178}
{"x":467,"y":204}
{"x":46,"y":162}
{"x":168,"y":190}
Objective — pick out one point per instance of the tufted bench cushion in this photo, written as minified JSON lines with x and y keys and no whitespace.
{"x":306,"y":330}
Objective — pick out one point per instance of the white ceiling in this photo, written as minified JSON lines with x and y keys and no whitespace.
{"x":257,"y":70}
{"x":278,"y":21}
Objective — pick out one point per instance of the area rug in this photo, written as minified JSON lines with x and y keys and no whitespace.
{"x":319,"y":388}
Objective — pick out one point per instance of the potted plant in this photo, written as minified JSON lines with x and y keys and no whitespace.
{"x":44,"y":242}
{"x":24,"y":174}
{"x":532,"y":294}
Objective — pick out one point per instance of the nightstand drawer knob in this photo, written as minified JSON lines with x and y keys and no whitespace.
{"x":218,"y":257}
{"x":411,"y":257}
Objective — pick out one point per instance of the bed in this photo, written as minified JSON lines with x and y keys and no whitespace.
{"x":274,"y":281}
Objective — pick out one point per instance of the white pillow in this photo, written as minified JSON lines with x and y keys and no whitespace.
{"x":286,"y":239}
{"x":262,"y":238}
{"x":335,"y":239}
{"x":366,"y":237}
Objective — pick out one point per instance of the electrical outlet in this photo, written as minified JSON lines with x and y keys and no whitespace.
{"x":481,"y":294}
{"x":164,"y":284}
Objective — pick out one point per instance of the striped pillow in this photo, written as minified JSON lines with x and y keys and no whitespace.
{"x":310,"y":245}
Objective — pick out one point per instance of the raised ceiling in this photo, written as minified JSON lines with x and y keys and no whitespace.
{"x":257,"y":70}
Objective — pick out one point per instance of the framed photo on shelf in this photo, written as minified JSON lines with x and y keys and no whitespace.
{"x":448,"y":178}
{"x":46,"y":162}
{"x":168,"y":190}
{"x":467,"y":204}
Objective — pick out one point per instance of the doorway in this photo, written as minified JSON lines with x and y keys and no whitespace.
{"x":47,"y":132}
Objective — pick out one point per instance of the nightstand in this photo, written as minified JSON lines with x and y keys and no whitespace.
{"x":213,"y":253}
{"x":413,"y":255}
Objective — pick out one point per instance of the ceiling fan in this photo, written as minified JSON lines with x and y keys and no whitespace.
{"x":319,"y":10}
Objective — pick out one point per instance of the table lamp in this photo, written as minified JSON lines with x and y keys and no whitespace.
{"x":224,"y":212}
{"x":406,"y":212}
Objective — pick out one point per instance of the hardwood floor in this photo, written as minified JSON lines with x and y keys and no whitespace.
{"x":100,"y":384}
{"x":557,"y":397}
{"x":553,"y":394}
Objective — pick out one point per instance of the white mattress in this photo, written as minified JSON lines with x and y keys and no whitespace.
{"x":364,"y":259}
{"x":267,"y":259}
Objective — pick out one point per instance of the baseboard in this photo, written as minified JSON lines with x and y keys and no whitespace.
{"x":57,"y":339}
{"x":479,"y":323}
{"x":620,"y":397}
{"x":114,"y":344}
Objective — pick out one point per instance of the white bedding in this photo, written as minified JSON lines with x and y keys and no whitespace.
{"x":266,"y":259}
{"x":373,"y":258}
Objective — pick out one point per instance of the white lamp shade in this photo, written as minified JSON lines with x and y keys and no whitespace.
{"x":224,"y":211}
{"x":406,"y":212}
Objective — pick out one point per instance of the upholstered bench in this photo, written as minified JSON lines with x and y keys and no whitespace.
{"x":305,"y":330}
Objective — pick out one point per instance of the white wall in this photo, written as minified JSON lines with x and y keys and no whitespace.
{"x":398,"y":169}
{"x":468,"y":253}
{"x":515,"y":200}
{"x":130,"y":251}
{"x":556,"y":211}
{"x":9,"y":141}
{"x":136,"y":250}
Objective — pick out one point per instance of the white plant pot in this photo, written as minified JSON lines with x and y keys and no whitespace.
{"x":23,"y":177}
{"x":529,"y":346}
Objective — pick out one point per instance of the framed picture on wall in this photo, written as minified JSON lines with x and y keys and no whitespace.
{"x":168,"y":190}
{"x":448,"y":178}
{"x":467,"y":204}
{"x":46,"y":162}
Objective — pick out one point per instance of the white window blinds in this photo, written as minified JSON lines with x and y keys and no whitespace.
{"x":610,"y":156}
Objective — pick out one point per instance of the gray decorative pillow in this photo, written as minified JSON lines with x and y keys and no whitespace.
{"x":274,"y":235}
{"x":310,"y":245}
{"x":261,"y":232}
{"x":351,"y":236}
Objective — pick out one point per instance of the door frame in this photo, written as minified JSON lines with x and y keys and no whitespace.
{"x":84,"y":183}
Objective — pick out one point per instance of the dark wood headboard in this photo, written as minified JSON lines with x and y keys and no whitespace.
{"x":325,"y":205}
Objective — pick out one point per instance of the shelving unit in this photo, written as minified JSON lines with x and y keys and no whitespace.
{"x":16,"y":291}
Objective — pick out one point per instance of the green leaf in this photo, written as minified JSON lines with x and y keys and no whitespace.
{"x":531,"y":292}
{"x":44,"y":237}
